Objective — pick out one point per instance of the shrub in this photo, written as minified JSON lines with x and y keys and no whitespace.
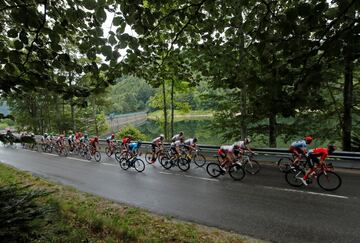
{"x":131,"y":130}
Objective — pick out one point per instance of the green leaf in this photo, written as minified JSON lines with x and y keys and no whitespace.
{"x":112,"y":40}
{"x":89,"y":4}
{"x":118,"y":21}
{"x":100,"y":15}
{"x":12,"y":33}
{"x":54,"y":37}
{"x":23,"y":37}
{"x":18,"y":45}
{"x":106,"y":51}
{"x":12,"y":69}
{"x":91,"y":54}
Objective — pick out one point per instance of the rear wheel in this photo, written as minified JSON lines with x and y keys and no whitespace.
{"x":236,"y":172}
{"x":97,"y":156}
{"x":148,"y":157}
{"x":284,"y":163}
{"x":124,"y":164}
{"x":329,"y":181}
{"x":139,"y":165}
{"x":166,"y":162}
{"x":183,"y":164}
{"x":213,"y":169}
{"x":293,"y":175}
{"x":252,"y":167}
{"x":199,"y":160}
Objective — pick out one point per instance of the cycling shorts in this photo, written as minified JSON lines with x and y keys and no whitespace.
{"x":312,"y":160}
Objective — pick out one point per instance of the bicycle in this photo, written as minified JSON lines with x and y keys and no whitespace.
{"x":197,"y":158}
{"x":235,"y":170}
{"x":158,"y":155}
{"x":175,"y":160}
{"x":112,"y":148}
{"x":250,"y":165}
{"x":92,"y":152}
{"x":285,"y":163}
{"x":62,"y":150}
{"x":326,"y":178}
{"x":127,"y":161}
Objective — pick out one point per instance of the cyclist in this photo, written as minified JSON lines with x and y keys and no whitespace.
{"x":126,"y":141}
{"x":71,"y":141}
{"x":190,"y":144}
{"x":299,"y":148}
{"x":312,"y":158}
{"x":44,"y":138}
{"x":175,"y":146}
{"x":94,"y":142}
{"x":228,"y":153}
{"x":60,"y":140}
{"x":134,"y":148}
{"x":177,"y":137}
{"x":156,"y":143}
{"x":243,"y":145}
{"x":110,"y":140}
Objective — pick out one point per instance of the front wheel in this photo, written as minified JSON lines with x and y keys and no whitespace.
{"x":237,"y":172}
{"x":329,"y":181}
{"x":139,"y":165}
{"x":252,"y":167}
{"x":97,"y":156}
{"x":183,"y":164}
{"x":293,"y":175}
{"x":284,"y":164}
{"x":199,"y":160}
{"x":148,"y":157}
{"x":213,"y":169}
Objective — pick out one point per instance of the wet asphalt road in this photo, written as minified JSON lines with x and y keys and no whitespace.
{"x":263,"y":206}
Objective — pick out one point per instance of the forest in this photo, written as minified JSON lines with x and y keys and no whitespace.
{"x":269,"y":69}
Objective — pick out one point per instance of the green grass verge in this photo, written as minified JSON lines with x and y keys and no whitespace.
{"x":82,"y":217}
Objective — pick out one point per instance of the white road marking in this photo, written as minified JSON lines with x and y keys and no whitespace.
{"x":50,"y":154}
{"x":79,"y":159}
{"x":312,"y":193}
{"x":195,"y":177}
{"x":109,"y":164}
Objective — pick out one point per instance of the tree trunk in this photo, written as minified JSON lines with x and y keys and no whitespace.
{"x":165,"y":111}
{"x":73,"y":116}
{"x":243,"y":114}
{"x":348,"y":102}
{"x":172,"y":107}
{"x":95,"y":121}
{"x":272,"y":130}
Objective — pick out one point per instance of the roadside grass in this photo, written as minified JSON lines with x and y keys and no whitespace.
{"x":82,"y":217}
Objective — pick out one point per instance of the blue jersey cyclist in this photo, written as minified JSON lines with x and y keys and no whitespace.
{"x":299,"y":148}
{"x":134,"y":147}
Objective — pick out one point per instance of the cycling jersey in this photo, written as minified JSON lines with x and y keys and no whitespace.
{"x":126,"y":140}
{"x":83,"y":140}
{"x":241,"y":144}
{"x":71,"y":138}
{"x":176,"y":138}
{"x":92,"y":142}
{"x":134,"y":146}
{"x":299,"y":144}
{"x":227,"y":148}
{"x":319,"y":152}
{"x":156,"y":141}
{"x":189,"y":142}
{"x":175,"y":144}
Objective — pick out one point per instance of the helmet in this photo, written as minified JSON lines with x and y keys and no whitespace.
{"x":331,"y":148}
{"x":308,"y":139}
{"x":113,"y":135}
{"x":247,"y":140}
{"x":162,"y":136}
{"x":195,"y":139}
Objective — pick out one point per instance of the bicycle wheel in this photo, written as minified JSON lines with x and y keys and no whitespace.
{"x":236,"y":172}
{"x":284,"y":163}
{"x":124,"y":163}
{"x":292,"y":177}
{"x":148,"y":157}
{"x":252,"y":167}
{"x":88,"y":155}
{"x":108,"y":152}
{"x":329,"y":181}
{"x":213,"y":169}
{"x":183,"y":164}
{"x":97,"y":156}
{"x":199,"y":160}
{"x":139,"y":165}
{"x":166,"y":162}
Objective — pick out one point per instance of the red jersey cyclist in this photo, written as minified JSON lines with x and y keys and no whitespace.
{"x":94,"y":143}
{"x":312,"y":159}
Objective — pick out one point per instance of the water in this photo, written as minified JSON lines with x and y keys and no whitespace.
{"x":200,"y":128}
